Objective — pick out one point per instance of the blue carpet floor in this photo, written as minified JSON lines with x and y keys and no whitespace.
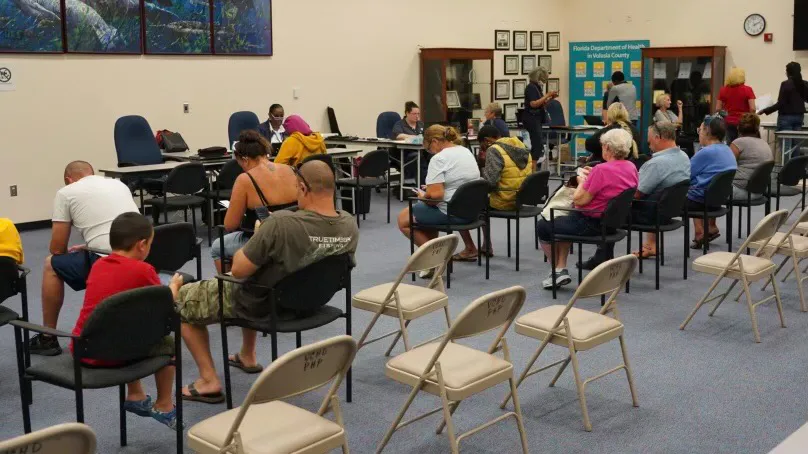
{"x":709,"y":389}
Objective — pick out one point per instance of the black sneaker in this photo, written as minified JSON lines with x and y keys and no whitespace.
{"x":44,"y":345}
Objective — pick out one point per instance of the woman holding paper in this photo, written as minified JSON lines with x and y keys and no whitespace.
{"x":791,"y":100}
{"x":262,"y":188}
{"x":736,"y":98}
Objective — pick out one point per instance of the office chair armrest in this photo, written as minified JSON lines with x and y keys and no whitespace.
{"x":41,"y":329}
{"x":23,"y":271}
{"x":416,"y":199}
{"x":579,"y":210}
{"x":97,"y":251}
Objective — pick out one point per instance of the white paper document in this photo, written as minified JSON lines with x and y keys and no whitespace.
{"x":764,"y":101}
{"x":660,"y":70}
{"x":224,"y":203}
{"x":684,"y":69}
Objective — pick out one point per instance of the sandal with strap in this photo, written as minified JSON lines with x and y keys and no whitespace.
{"x":208,"y":398}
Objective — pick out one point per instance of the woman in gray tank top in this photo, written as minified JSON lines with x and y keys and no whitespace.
{"x":750,"y":151}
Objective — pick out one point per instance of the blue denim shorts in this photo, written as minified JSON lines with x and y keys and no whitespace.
{"x":431,"y":215}
{"x":73,"y":268}
{"x":233,"y":241}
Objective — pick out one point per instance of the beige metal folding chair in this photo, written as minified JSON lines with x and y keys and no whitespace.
{"x":455,"y":372}
{"x":409,"y":302}
{"x":70,"y":438}
{"x":745,"y":269}
{"x":579,"y":329}
{"x":266,"y":424}
{"x":794,"y":247}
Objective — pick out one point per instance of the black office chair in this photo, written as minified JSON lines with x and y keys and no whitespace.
{"x":222,"y":190}
{"x":757,"y":185}
{"x":185,"y":180}
{"x":470,"y":202}
{"x":717,"y":194}
{"x":124,"y":328}
{"x":617,"y":214}
{"x":530,"y":197}
{"x":784,"y":185}
{"x":308,"y":304}
{"x":372,"y":172}
{"x":324,"y":157}
{"x":668,"y":206}
{"x":173,"y":246}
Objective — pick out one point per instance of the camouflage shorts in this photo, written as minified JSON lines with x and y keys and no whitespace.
{"x":198,"y":302}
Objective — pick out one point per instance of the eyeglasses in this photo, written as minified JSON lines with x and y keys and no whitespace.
{"x":302,"y":178}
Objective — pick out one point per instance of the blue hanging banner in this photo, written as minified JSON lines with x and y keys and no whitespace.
{"x":591,"y":67}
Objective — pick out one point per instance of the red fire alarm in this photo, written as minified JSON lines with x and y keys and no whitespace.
{"x":768,"y":37}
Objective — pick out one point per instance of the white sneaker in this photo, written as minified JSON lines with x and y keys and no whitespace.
{"x":562,"y":278}
{"x":427,"y":274}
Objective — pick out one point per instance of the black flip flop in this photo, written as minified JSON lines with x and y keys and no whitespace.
{"x":236,"y":362}
{"x":207,"y":398}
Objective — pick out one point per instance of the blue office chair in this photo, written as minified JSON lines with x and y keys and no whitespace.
{"x":134,"y":142}
{"x":555,"y":111}
{"x":240,"y":121}
{"x":385,"y":122}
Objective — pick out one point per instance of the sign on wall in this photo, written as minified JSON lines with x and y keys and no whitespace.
{"x":591,"y":68}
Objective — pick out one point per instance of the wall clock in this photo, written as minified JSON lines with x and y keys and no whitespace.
{"x":754,"y":24}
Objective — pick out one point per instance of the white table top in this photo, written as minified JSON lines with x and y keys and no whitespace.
{"x":796,"y":443}
{"x":795,"y":134}
{"x":141,"y":169}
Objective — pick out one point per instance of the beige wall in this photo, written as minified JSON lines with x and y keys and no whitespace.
{"x":698,"y":23}
{"x":359,"y":56}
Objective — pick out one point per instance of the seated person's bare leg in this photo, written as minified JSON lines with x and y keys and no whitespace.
{"x":698,"y":229}
{"x":198,"y":343}
{"x":420,"y":236}
{"x":650,"y":243}
{"x":53,"y":295}
{"x":135,"y":392}
{"x":562,"y":251}
{"x":247,"y":353}
{"x":165,"y":389}
{"x":404,"y":222}
{"x":470,"y":249}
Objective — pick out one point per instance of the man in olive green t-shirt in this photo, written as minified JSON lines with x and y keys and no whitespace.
{"x":285,"y":243}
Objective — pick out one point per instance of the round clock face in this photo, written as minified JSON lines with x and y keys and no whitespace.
{"x":754,"y":24}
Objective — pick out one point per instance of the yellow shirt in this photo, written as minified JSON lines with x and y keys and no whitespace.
{"x":10,"y":242}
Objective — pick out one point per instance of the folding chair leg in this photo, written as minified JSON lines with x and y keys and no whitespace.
{"x":452,"y":409}
{"x":520,"y":424}
{"x":798,"y":275}
{"x":447,"y":412}
{"x":731,"y":286}
{"x":779,"y":302}
{"x":701,"y":302}
{"x":578,"y":383}
{"x":526,"y":371}
{"x":121,"y":399}
{"x":560,"y":371}
{"x":399,"y":417}
{"x":629,"y":375}
{"x":751,"y":308}
{"x":401,"y":333}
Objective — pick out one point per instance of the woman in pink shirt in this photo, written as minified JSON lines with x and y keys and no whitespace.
{"x":596,"y":186}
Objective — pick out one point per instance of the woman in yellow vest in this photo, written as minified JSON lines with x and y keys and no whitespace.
{"x":10,"y":244}
{"x":507,"y":163}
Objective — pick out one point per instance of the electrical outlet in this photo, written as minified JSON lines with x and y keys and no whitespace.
{"x":13,"y":190}
{"x":186,"y":108}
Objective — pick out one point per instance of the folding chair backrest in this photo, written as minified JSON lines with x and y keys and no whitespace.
{"x":126,"y":326}
{"x":469,"y":201}
{"x":760,"y":178}
{"x":10,"y":278}
{"x":173,"y":246}
{"x":491,"y":311}
{"x":793,"y":171}
{"x":187,"y":179}
{"x":69,"y":438}
{"x":374,"y":164}
{"x":617,"y":210}
{"x":303,"y":370}
{"x":608,"y":277}
{"x":432,"y":254}
{"x":228,"y":174}
{"x":719,"y":189}
{"x":534,"y":190}
{"x":313,"y":286}
{"x":672,"y":200}
{"x":766,"y":228}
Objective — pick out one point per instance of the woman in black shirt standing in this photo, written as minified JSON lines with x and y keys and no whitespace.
{"x":791,"y":100}
{"x":534,"y":114}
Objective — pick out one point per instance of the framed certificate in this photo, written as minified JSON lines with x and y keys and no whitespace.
{"x":502,"y":89}
{"x":536,"y":40}
{"x":519,"y":86}
{"x":553,"y":85}
{"x":511,"y":65}
{"x":509,"y":112}
{"x":528,"y":63}
{"x":519,"y":40}
{"x":553,"y":41}
{"x":546,"y":61}
{"x":502,"y":40}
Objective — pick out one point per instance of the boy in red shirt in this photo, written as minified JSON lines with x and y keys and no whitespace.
{"x":130,"y":237}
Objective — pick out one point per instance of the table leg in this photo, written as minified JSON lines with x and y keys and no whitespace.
{"x":418,"y":170}
{"x":401,"y":176}
{"x":140,"y":191}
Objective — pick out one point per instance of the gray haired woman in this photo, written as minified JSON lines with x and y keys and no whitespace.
{"x":534,"y":114}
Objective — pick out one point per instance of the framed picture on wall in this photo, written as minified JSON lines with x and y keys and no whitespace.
{"x":536,"y":40}
{"x":502,"y":40}
{"x":528,"y":63}
{"x":546,"y":61}
{"x":242,"y":28}
{"x":511,"y":65}
{"x":519,"y":86}
{"x":519,"y":40}
{"x":33,"y":29}
{"x":502,"y":89}
{"x":553,"y":84}
{"x":553,"y":41}
{"x":104,"y":28}
{"x":181,"y":28}
{"x":452,"y":99}
{"x":509,"y":111}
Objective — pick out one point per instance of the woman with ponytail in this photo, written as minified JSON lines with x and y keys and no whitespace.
{"x":791,"y":100}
